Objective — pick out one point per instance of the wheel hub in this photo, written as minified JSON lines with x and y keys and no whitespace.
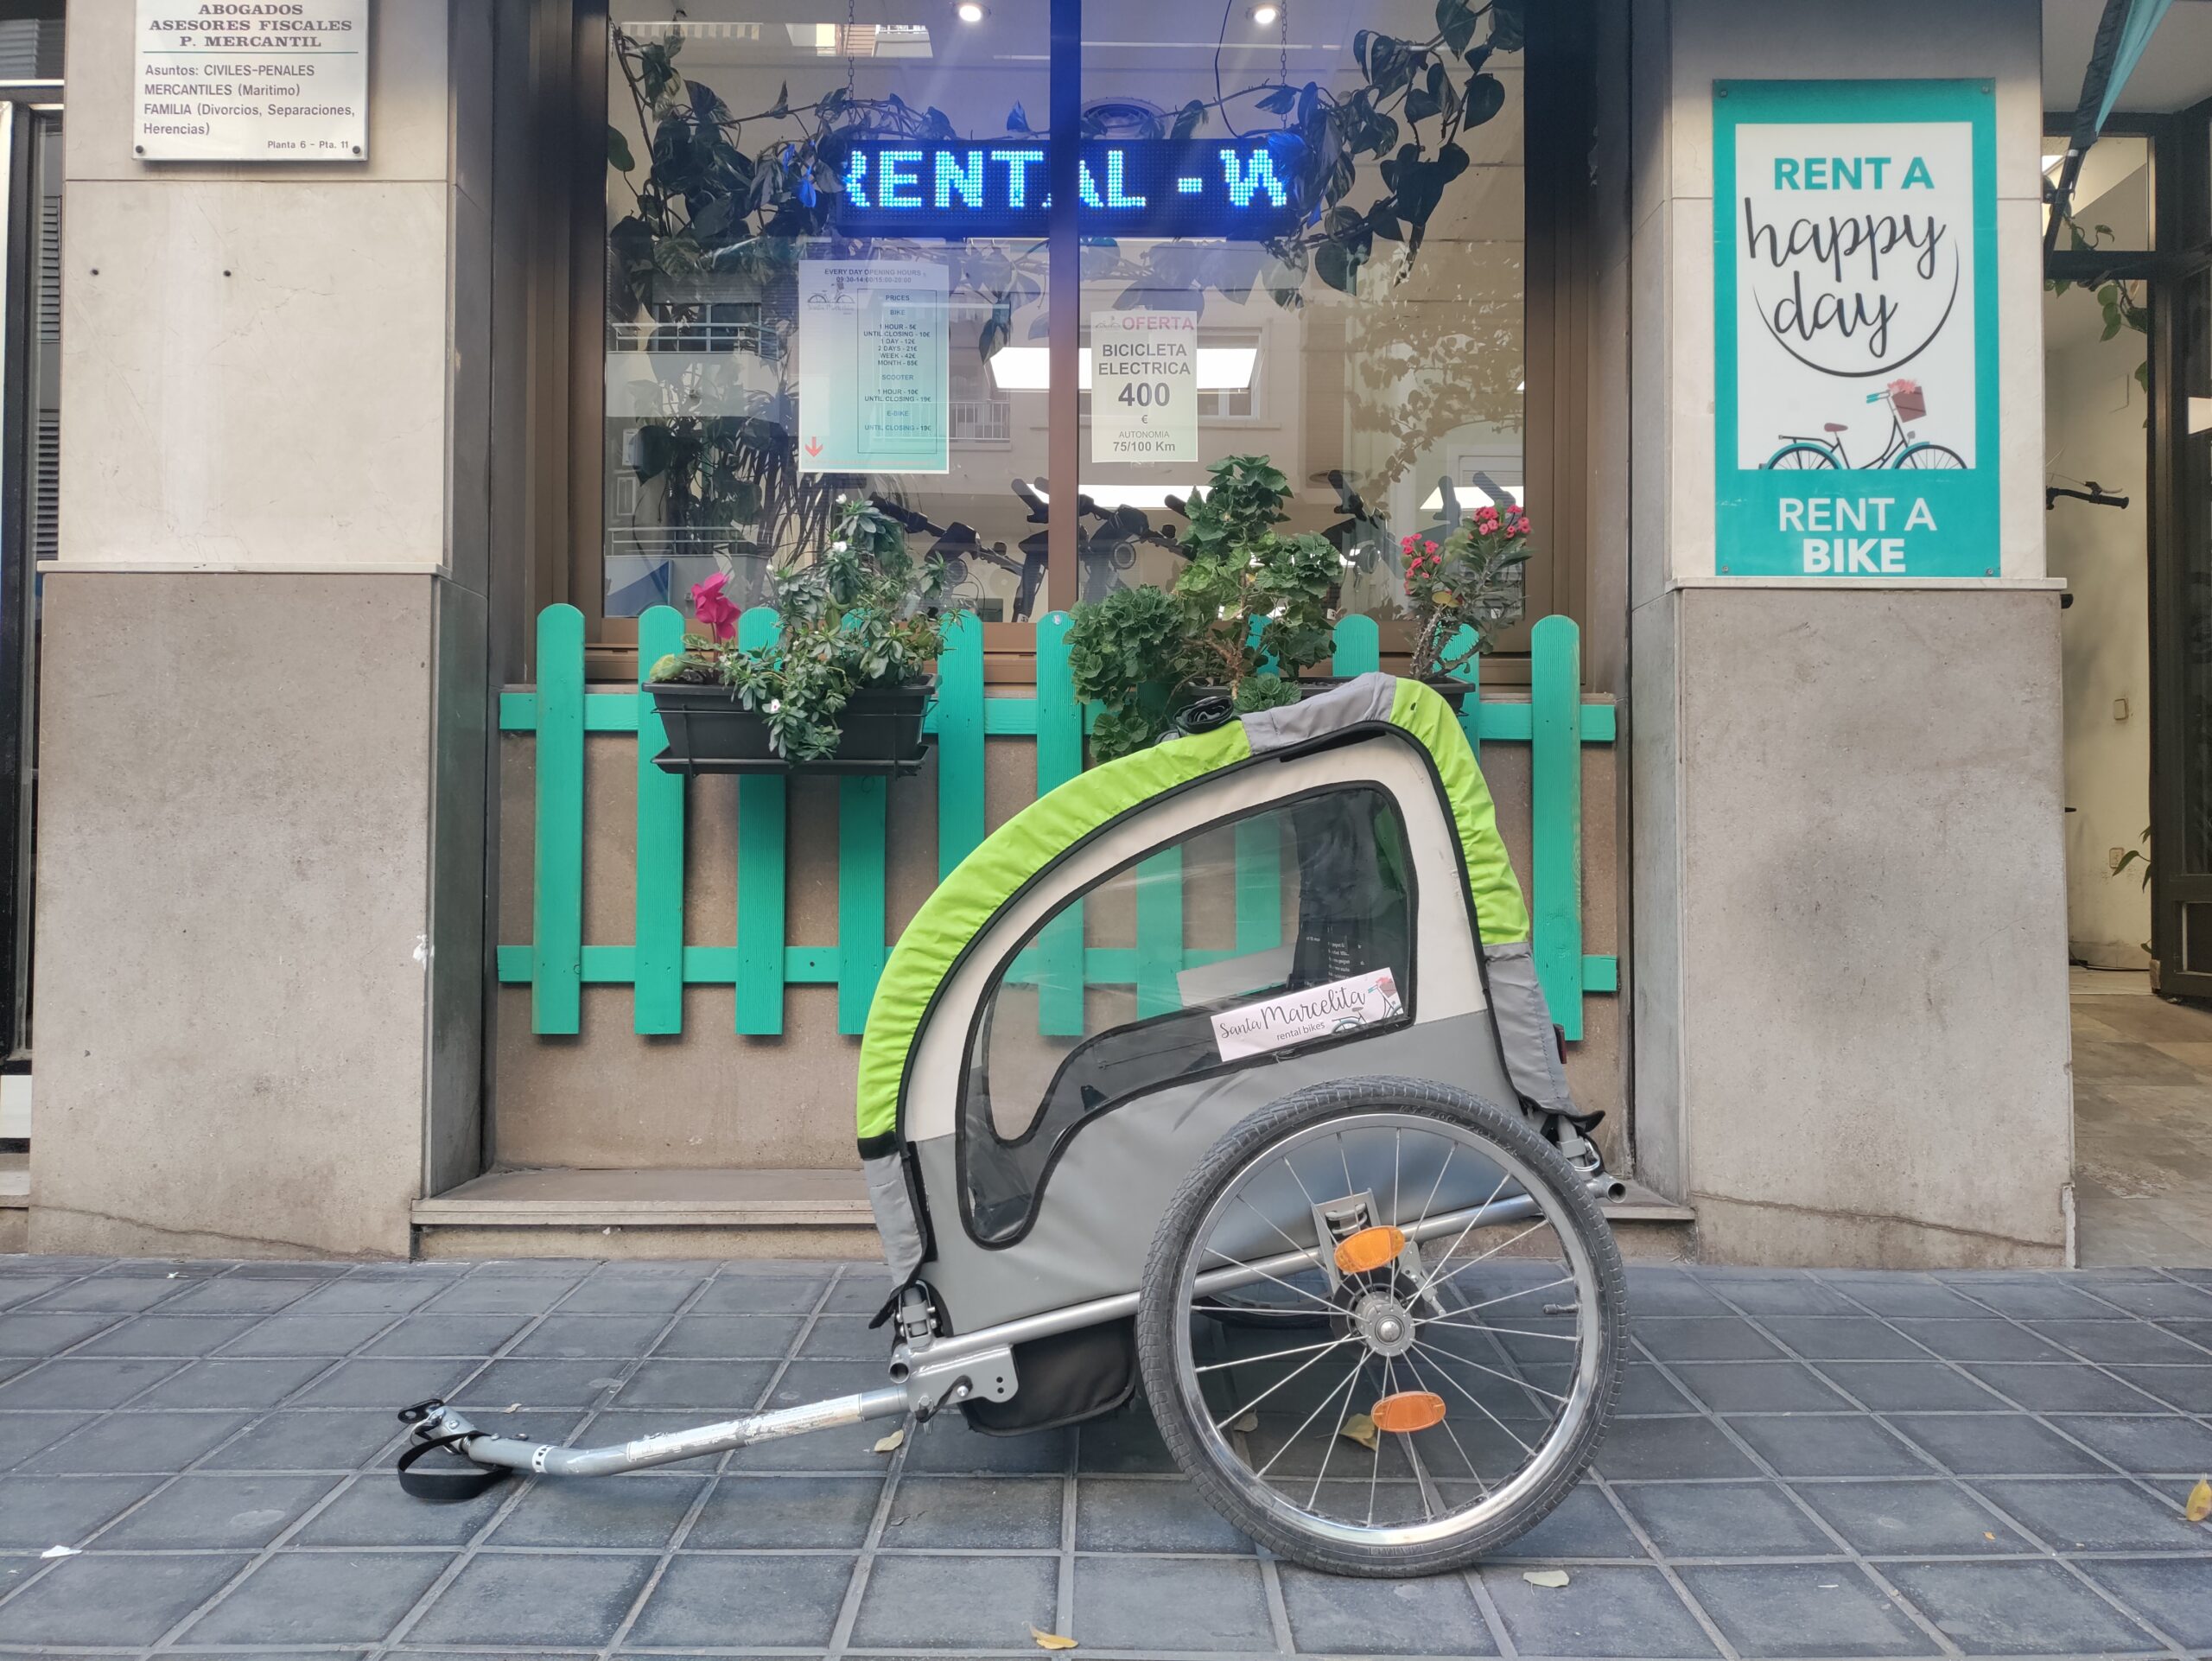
{"x":1385,"y":1323}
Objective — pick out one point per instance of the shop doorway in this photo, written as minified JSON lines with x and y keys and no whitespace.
{"x":2128,"y":450}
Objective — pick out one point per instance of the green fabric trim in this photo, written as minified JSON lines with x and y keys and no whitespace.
{"x":1499,"y":908}
{"x":959,"y":906}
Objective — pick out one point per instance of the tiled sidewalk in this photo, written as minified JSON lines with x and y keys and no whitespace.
{"x":1808,"y":1464}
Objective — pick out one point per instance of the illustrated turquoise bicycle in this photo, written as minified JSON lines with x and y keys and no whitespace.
{"x":1800,"y":452}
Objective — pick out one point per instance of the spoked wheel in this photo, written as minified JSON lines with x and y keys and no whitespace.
{"x":1463,"y":1337}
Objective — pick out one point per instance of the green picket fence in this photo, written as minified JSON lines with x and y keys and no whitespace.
{"x":659,"y":964}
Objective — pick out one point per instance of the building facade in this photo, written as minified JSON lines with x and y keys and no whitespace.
{"x":363,"y":926}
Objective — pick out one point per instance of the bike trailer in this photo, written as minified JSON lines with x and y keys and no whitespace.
{"x":1222,"y":1071}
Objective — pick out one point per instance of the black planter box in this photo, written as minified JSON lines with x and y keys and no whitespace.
{"x":1451,"y":688}
{"x":709,"y":731}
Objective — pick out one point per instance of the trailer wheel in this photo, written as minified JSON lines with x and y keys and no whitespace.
{"x":1468,"y":1338}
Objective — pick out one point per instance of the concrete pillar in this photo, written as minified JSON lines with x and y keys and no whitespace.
{"x":1849,"y":1015}
{"x":261,"y":828}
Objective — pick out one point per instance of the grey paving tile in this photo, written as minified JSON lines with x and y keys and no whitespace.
{"x":2157,"y":1445}
{"x":503,"y":1294}
{"x":530,"y":1384}
{"x":1700,"y":1338}
{"x":2189,"y":1389}
{"x":1602,"y":1610}
{"x":802,"y":1512}
{"x":374,"y":1512}
{"x":387,"y":1385}
{"x":1980,"y":1339}
{"x":2067,"y":1387}
{"x":977,"y":1513}
{"x":731,"y":1336}
{"x":1758,"y":1387}
{"x":2174,"y":1593}
{"x":1332,"y":1615}
{"x":1995,"y":1444}
{"x":1138,"y":1514}
{"x":2095,"y":1514}
{"x":715,"y":1387}
{"x":1803,"y":1610}
{"x":1658,"y":1449}
{"x":1798,"y":1296}
{"x":231,"y":1510}
{"x":1902,"y":1294}
{"x":2136,"y":1342}
{"x":108,"y":1292}
{"x":288,"y":1271}
{"x":2035,"y":1297}
{"x":1724,"y":1519}
{"x":38,"y":1511}
{"x":564,"y":1600}
{"x":1816,"y":1445}
{"x":1126,"y":1442}
{"x":126,"y":1442}
{"x":325,"y":1335}
{"x":1644,"y":1389}
{"x":1584,"y":1524}
{"x":762,"y":1295}
{"x":859,"y":1292}
{"x":1161,"y":1603}
{"x":1845,"y":1337}
{"x":22,"y":1434}
{"x":632,"y":1289}
{"x":1910,"y":1386}
{"x":2158,"y":1299}
{"x":2017,"y":1608}
{"x":113,"y":1599}
{"x":954,"y":1603}
{"x":1668,"y":1292}
{"x":166,"y":1335}
{"x":239,"y":1295}
{"x":241,"y":1385}
{"x":847,"y":1338}
{"x":753,"y":1601}
{"x":20,"y":1288}
{"x":320,"y":1597}
{"x":383,"y":1295}
{"x":306,"y":1442}
{"x":1889,"y":1519}
{"x":28,"y":1332}
{"x":461,"y":1335}
{"x":622,"y":1338}
{"x":637,"y":1512}
{"x":70,"y":1383}
{"x":946,"y":1445}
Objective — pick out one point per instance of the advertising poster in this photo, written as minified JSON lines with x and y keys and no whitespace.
{"x":1855,"y":329}
{"x":246,"y":81}
{"x":873,"y":373}
{"x":1144,"y":386}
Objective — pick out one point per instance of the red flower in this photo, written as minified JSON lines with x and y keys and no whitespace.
{"x":713,"y":607}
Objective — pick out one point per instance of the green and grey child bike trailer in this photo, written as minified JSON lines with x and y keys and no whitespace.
{"x":1222,"y":1072}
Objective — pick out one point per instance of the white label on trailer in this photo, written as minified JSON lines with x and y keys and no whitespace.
{"x":1342,"y":1006}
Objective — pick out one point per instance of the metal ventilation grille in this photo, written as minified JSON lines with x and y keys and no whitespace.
{"x":30,"y":49}
{"x":46,"y":489}
{"x":49,"y":271}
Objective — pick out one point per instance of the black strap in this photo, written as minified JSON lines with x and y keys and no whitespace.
{"x":445,"y":1487}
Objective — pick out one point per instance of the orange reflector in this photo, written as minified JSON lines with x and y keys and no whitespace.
{"x":1408,"y":1410}
{"x":1368,"y":1249}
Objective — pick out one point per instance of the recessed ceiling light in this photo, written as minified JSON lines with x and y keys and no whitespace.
{"x":969,"y":12}
{"x":1264,"y":15}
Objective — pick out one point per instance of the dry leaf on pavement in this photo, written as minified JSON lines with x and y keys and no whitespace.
{"x":890,"y":1444}
{"x":1051,"y":1640}
{"x":1360,"y":1429}
{"x":1248,"y":1424}
{"x":1545,"y":1576}
{"x":2200,"y":1501}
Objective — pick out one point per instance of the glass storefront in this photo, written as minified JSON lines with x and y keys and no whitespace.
{"x":829,"y":261}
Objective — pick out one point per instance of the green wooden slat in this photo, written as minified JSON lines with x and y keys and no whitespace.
{"x":656,"y":999}
{"x":1556,"y":811}
{"x":1060,"y":758}
{"x":610,"y":965}
{"x":1359,"y":646}
{"x":811,"y":965}
{"x":1601,"y":974}
{"x":1471,"y":709}
{"x":1597,"y":722}
{"x":1259,"y":884}
{"x":613,"y":712}
{"x":1010,"y":717}
{"x":1506,"y":723}
{"x":1159,"y":933}
{"x":862,"y":816}
{"x":557,"y":906}
{"x":760,"y":836}
{"x":960,"y":742}
{"x":517,"y":712}
{"x":515,"y":965}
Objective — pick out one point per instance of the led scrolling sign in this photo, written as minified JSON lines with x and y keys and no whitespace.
{"x":1240,"y":189}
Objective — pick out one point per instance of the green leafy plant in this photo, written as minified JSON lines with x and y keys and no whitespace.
{"x":1251,"y":609}
{"x":863,"y":613}
{"x":1472,"y":581}
{"x":2121,"y":301}
{"x":2139,"y":855}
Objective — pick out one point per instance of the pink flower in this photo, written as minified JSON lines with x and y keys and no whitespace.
{"x":713,"y":607}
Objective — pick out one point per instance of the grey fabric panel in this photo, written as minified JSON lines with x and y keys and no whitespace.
{"x":1524,"y":1027}
{"x":1103,"y":1200}
{"x":894,"y":1215}
{"x":1364,"y":697}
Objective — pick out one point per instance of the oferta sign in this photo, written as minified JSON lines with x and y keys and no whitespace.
{"x":1855,"y":328}
{"x":1239,"y":188}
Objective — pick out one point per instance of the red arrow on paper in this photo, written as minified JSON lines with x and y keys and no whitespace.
{"x":814,"y":447}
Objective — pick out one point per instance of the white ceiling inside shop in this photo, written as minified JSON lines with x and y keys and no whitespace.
{"x":2176,"y":71}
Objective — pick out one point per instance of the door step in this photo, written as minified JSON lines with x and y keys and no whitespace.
{"x":733,"y":1213}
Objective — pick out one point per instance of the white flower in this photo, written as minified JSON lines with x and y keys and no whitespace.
{"x":774,"y":704}
{"x":1278,"y":611}
{"x":836,"y":547}
{"x":1221,"y":614}
{"x":1253,"y":563}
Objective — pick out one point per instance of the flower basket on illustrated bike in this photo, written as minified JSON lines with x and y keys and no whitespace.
{"x":1310,"y":1178}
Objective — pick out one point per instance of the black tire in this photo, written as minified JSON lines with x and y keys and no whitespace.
{"x":1161,"y":1312}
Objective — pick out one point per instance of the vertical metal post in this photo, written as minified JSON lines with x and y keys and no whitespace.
{"x":1063,"y":305}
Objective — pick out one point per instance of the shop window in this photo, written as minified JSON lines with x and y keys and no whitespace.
{"x":1361,"y":312}
{"x":1341,"y":917}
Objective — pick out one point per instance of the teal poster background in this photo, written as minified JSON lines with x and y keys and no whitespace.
{"x":1842,"y":254}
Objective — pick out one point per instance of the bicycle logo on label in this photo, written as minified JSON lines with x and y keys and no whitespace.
{"x":1802,"y":452}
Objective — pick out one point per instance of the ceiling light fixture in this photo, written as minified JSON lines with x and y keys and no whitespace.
{"x":969,"y":12}
{"x":1265,"y":16}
